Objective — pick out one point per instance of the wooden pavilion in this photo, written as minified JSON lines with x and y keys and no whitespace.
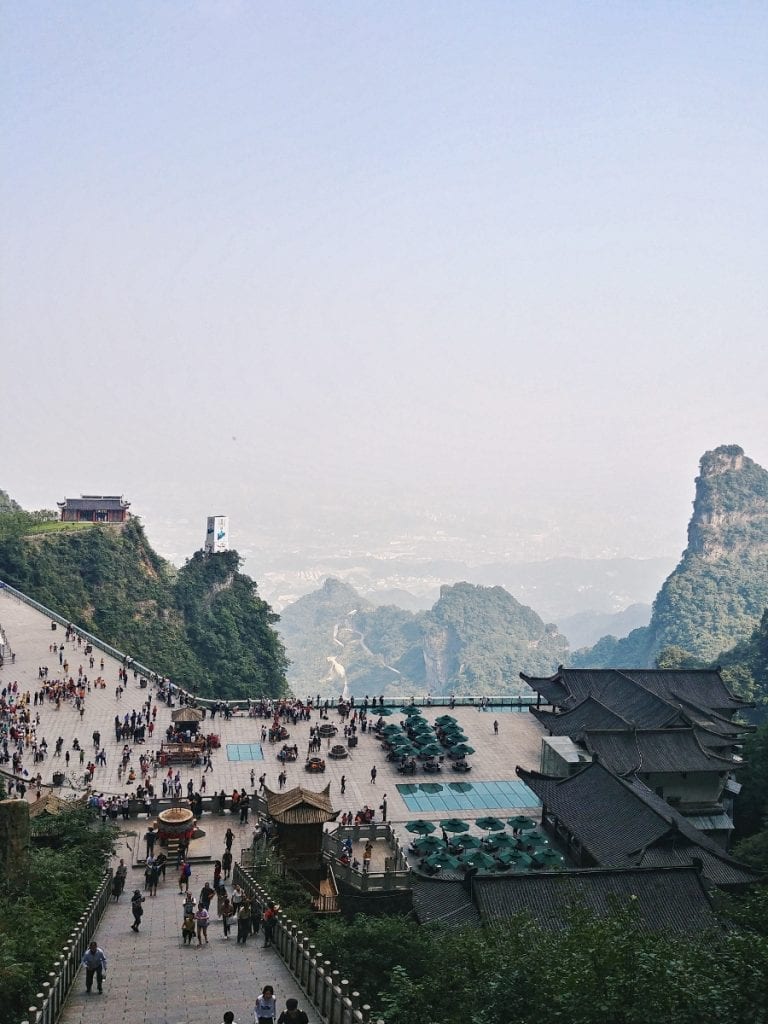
{"x":299,"y":815}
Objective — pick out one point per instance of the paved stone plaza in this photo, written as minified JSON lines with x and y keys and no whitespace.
{"x":151,"y":976}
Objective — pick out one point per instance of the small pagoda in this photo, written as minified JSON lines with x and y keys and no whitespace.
{"x":299,"y":815}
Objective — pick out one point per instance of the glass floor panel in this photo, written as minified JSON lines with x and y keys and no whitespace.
{"x":477,"y":796}
{"x":244,"y":752}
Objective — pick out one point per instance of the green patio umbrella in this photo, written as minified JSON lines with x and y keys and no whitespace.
{"x":419,"y":725}
{"x":534,"y":839}
{"x":549,"y":858}
{"x":428,"y":844}
{"x":445,"y":720}
{"x":454,"y":736}
{"x":424,"y":739}
{"x":430,"y":750}
{"x":515,"y":859}
{"x":454,"y":825}
{"x":491,"y":824}
{"x":522,"y":823}
{"x":478,"y":859}
{"x":466,"y":842}
{"x":443,"y":860}
{"x":421,"y":826}
{"x":383,"y":712}
{"x":411,"y":711}
{"x":392,"y":730}
{"x":404,"y":750}
{"x":462,"y":750}
{"x":501,"y":841}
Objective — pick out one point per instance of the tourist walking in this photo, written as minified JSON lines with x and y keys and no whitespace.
{"x":243,"y":923}
{"x":94,"y":962}
{"x":255,"y":917}
{"x":226,"y":863}
{"x":226,"y":914}
{"x":269,"y":920}
{"x":292,"y":1014}
{"x":188,"y":924}
{"x":373,"y":775}
{"x":202,"y":917}
{"x":137,"y":909}
{"x":265,"y":1009}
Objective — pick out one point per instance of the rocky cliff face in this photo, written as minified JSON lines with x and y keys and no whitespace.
{"x":717,"y":594}
{"x":730,"y":510}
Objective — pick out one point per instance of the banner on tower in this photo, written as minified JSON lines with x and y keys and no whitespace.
{"x":217,"y":534}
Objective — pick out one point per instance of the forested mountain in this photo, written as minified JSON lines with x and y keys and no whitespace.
{"x":716,"y":596}
{"x":203,"y":625}
{"x":474,"y":640}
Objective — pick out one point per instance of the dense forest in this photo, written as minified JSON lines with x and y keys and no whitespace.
{"x":37,"y":917}
{"x":606,"y":970}
{"x":203,"y":625}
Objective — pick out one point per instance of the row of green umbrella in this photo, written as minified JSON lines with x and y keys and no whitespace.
{"x":420,"y":826}
{"x":514,"y":859}
{"x":468,"y":842}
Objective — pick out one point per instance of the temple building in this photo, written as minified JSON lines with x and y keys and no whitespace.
{"x":95,"y":508}
{"x":672,"y":730}
{"x":604,"y":820}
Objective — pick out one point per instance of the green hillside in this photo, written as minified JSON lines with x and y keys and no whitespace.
{"x":474,"y":640}
{"x":716,"y":596}
{"x":203,"y":625}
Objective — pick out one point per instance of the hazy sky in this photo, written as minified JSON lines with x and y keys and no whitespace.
{"x":261,"y":258}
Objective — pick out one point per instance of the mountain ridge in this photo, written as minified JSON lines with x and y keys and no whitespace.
{"x":473,"y":640}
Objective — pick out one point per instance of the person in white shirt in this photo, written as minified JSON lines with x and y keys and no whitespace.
{"x":266,"y":1006}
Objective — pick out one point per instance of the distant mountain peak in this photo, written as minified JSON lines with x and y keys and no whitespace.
{"x":717,"y":594}
{"x":730,"y":509}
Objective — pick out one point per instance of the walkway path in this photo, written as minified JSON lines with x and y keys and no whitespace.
{"x":153,"y":979}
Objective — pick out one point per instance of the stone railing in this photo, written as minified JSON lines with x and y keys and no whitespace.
{"x":324,"y":987}
{"x":396,"y":874}
{"x":49,"y":1002}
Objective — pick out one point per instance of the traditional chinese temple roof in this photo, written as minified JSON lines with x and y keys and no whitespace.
{"x":620,"y":822}
{"x":300,"y":806}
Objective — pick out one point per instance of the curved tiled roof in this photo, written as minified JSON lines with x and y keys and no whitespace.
{"x":589,"y":714}
{"x":654,"y":750}
{"x":621,"y":822}
{"x":703,"y":687}
{"x":299,"y":806}
{"x":665,"y":899}
{"x":443,"y":901}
